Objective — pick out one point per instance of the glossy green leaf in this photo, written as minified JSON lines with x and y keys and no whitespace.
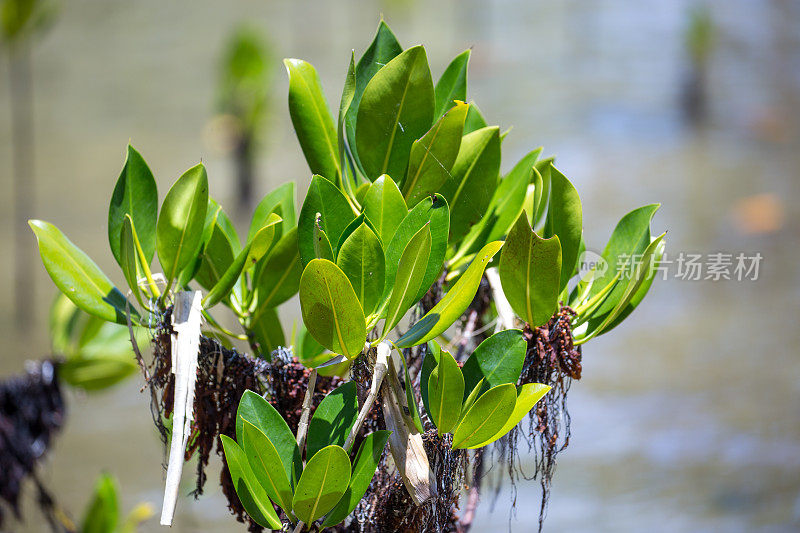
{"x":252,"y":495}
{"x":434,"y":212}
{"x":564,"y":219}
{"x":527,"y":396}
{"x":486,"y":417}
{"x":333,"y":419}
{"x":218,"y":250}
{"x":395,"y":110}
{"x":279,"y":201}
{"x":432,"y":157}
{"x":129,"y":258}
{"x":279,"y":278}
{"x":102,"y":515}
{"x":262,"y":415}
{"x":322,"y":245}
{"x":78,"y":277}
{"x":331,"y":310}
{"x":474,"y":120}
{"x":445,"y":393}
{"x":366,"y":463}
{"x":410,"y":273}
{"x":361,"y":259}
{"x":135,"y":194}
{"x":453,"y":84}
{"x":498,"y":360}
{"x":472,"y":183}
{"x":529,"y":273}
{"x":348,"y":92}
{"x":325,"y":479}
{"x":267,"y":467}
{"x":335,"y":214}
{"x":384,"y":48}
{"x":473,"y":396}
{"x":312,"y":119}
{"x":453,"y":304}
{"x":629,"y":239}
{"x":267,"y":331}
{"x":248,"y":257}
{"x":385,"y":207}
{"x":180,"y":223}
{"x":642,"y":274}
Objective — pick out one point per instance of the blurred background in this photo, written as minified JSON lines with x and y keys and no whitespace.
{"x":688,"y":415}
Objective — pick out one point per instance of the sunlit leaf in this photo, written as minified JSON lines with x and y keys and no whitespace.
{"x":445,"y":393}
{"x":279,"y":278}
{"x":102,"y":515}
{"x":266,"y":465}
{"x":135,"y":194}
{"x":385,"y":207}
{"x":77,"y":276}
{"x":453,"y":304}
{"x":180,"y":223}
{"x":361,"y":259}
{"x":333,"y":419}
{"x":472,"y":183}
{"x":432,"y":157}
{"x":529,"y":272}
{"x":486,"y":417}
{"x":395,"y":110}
{"x":331,"y":310}
{"x":325,"y":479}
{"x":335,"y":214}
{"x":312,"y":119}
{"x":410,"y":273}
{"x":564,"y":219}
{"x":366,"y":463}
{"x":527,"y":396}
{"x":498,"y":360}
{"x":474,"y":120}
{"x":279,"y":201}
{"x":453,"y":84}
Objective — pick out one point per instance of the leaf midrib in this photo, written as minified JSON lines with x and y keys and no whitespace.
{"x":397,"y":118}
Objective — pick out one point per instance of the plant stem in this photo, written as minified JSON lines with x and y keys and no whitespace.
{"x":302,"y":426}
{"x":299,"y":527}
{"x":379,"y":372}
{"x":505,"y":314}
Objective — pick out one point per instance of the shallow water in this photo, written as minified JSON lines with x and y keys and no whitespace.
{"x":687,"y":418}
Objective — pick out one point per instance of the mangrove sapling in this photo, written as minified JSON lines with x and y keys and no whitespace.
{"x":406,"y":211}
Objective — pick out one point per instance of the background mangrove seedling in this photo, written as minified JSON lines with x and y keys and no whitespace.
{"x":442,"y":300}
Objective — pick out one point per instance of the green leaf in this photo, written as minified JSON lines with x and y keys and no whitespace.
{"x":430,"y":361}
{"x":472,"y":183}
{"x":642,"y":275}
{"x":97,"y":373}
{"x":248,"y":257}
{"x":335,"y":214}
{"x":486,"y":417}
{"x":527,"y":396}
{"x":258,"y":411}
{"x":529,"y":273}
{"x":267,"y":331}
{"x":453,"y":304}
{"x":218,"y":250}
{"x":348,"y":92}
{"x":266,"y":464}
{"x":333,"y":419}
{"x":279,"y":201}
{"x":564,"y":219}
{"x":507,"y":203}
{"x":473,"y":396}
{"x":78,"y":277}
{"x":361,"y":259}
{"x":252,"y":495}
{"x":385,"y":207}
{"x":331,"y":310}
{"x":432,"y":157}
{"x":325,"y":479}
{"x":475,"y":120}
{"x":453,"y":84}
{"x":135,"y":194}
{"x":410,"y":272}
{"x":279,"y":278}
{"x":180,"y":223}
{"x":432,"y":211}
{"x":366,"y":463}
{"x":395,"y":110}
{"x":129,"y":259}
{"x":497,"y":360}
{"x":384,"y":48}
{"x":629,"y":239}
{"x":312,"y":119}
{"x":445,"y":393}
{"x":102,"y":515}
